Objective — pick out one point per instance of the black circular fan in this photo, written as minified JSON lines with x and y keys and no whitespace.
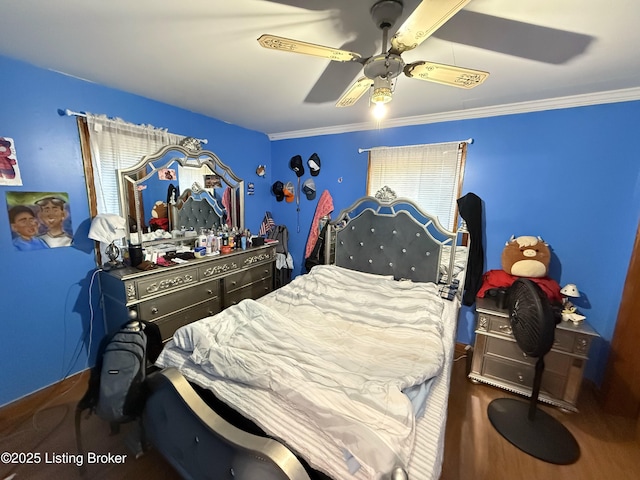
{"x":531,"y":430}
{"x":531,"y":317}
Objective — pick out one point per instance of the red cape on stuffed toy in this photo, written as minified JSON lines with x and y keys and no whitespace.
{"x":501,"y":279}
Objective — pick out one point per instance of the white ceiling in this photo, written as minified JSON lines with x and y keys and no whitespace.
{"x":202,"y":55}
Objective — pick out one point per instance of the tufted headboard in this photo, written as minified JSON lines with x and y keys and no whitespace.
{"x":392,"y":238}
{"x":197,"y":209}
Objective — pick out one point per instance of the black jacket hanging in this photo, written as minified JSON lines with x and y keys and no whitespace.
{"x":470,"y":208}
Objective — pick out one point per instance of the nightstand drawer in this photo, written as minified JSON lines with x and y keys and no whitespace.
{"x":563,"y":340}
{"x":553,"y":362}
{"x":521,"y":374}
{"x":495,"y":324}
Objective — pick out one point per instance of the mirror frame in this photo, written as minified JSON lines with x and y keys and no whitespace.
{"x":185,"y":157}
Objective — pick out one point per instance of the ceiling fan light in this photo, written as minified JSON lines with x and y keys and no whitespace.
{"x":381,"y":95}
{"x":381,"y":90}
{"x":379,"y":110}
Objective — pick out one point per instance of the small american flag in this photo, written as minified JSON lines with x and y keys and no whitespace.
{"x":267,"y":224}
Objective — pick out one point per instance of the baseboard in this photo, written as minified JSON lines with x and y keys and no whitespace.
{"x":72,"y":387}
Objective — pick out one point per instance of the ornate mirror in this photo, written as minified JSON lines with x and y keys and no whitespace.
{"x":181,"y":187}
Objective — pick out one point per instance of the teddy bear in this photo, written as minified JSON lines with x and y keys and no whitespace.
{"x":526,"y":256}
{"x":160,"y":216}
{"x":6,"y":163}
{"x":160,"y":210}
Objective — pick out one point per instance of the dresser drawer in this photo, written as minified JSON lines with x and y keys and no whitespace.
{"x":160,"y":306}
{"x":166,"y":282}
{"x":522,"y":375}
{"x":553,"y":362}
{"x":245,"y":277}
{"x":220,"y":266}
{"x":170,"y":323}
{"x":257,"y":257}
{"x":254,"y":290}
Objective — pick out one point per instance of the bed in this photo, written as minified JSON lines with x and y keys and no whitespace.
{"x":343,"y":373}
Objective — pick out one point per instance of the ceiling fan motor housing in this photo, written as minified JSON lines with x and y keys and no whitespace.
{"x":385,"y":65}
{"x":386,"y":12}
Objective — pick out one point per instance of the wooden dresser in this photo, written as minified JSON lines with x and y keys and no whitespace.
{"x":177,"y":295}
{"x":498,"y":361}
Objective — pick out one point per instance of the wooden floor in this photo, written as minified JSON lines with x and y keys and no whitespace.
{"x":473,"y":449}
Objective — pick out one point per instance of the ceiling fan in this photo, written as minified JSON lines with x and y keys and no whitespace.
{"x":380,"y":71}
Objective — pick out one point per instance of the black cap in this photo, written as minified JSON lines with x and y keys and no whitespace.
{"x":296,"y":165}
{"x":278,"y":190}
{"x":314,"y":164}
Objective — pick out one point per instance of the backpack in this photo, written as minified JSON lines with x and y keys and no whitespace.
{"x":122,"y":375}
{"x":117,"y":391}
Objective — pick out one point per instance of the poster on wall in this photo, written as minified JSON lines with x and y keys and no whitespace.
{"x":9,"y":170}
{"x":212,"y":181}
{"x":39,"y":220}
{"x":166,"y":174}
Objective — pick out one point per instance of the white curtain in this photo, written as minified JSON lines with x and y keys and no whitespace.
{"x":427,"y":174}
{"x":116,"y":144}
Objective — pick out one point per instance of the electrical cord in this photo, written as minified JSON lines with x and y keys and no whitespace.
{"x":56,"y":395}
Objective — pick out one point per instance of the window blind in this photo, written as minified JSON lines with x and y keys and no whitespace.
{"x":429,"y":175}
{"x":116,"y":144}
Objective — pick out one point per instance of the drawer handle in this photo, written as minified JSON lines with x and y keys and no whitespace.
{"x":581,"y":345}
{"x":154,"y":310}
{"x":520,"y":378}
{"x":210,"y":292}
{"x":233,"y":284}
{"x":505,"y":329}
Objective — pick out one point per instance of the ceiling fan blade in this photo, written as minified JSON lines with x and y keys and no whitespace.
{"x":445,"y":74}
{"x":296,"y":46}
{"x":423,"y":22}
{"x":336,"y":76}
{"x":354,"y":92}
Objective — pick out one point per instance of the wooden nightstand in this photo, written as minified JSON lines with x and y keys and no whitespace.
{"x":498,"y":361}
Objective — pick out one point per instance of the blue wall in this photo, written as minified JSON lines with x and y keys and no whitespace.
{"x":525,"y":168}
{"x":45,"y":294}
{"x":566,"y":175}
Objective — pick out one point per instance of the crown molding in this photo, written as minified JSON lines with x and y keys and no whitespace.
{"x":612,"y":96}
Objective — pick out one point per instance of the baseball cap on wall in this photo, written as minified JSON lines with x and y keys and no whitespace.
{"x":289,"y":192}
{"x":309,"y":189}
{"x":314,"y":164}
{"x":278,"y":190}
{"x":296,"y":165}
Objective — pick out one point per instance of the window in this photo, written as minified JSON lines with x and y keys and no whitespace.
{"x":430,"y":175}
{"x":112,"y":144}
